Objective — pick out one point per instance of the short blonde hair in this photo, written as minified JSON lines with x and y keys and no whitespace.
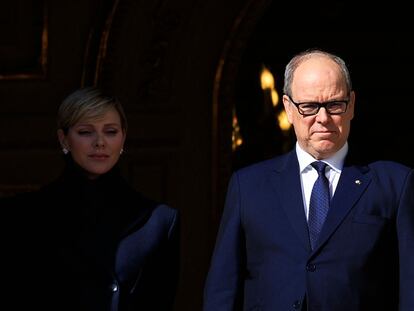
{"x":88,"y":102}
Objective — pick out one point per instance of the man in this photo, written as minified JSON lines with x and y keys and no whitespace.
{"x":307,"y":230}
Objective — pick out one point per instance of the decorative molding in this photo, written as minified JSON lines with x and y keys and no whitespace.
{"x":107,"y":39}
{"x":29,"y":67}
{"x":96,"y":46}
{"x":103,"y":44}
{"x":224,"y":99}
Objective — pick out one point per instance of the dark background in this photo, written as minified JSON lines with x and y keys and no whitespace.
{"x":180,"y":67}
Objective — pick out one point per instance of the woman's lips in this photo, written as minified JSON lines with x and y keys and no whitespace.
{"x":97,"y":156}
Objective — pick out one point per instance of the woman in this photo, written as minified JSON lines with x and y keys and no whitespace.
{"x":99,"y":245}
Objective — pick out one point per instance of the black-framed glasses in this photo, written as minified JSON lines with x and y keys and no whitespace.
{"x":312,"y":108}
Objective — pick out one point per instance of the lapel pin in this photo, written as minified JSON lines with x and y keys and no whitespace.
{"x":358,"y":182}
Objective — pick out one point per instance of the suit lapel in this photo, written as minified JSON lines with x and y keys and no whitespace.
{"x":351,"y":185}
{"x":285,"y":180}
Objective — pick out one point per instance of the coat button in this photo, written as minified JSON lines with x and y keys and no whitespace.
{"x":310,"y":267}
{"x":114,"y":287}
{"x":297,"y":304}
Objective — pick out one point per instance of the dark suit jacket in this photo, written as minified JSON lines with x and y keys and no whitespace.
{"x":364,"y":257}
{"x":89,"y":245}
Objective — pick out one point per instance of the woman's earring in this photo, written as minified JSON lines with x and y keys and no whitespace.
{"x":65,"y":151}
{"x":121,"y":151}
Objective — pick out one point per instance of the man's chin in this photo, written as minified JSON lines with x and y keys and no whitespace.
{"x":325,"y":148}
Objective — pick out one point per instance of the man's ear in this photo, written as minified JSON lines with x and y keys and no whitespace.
{"x":351,"y":105}
{"x":288,"y":108}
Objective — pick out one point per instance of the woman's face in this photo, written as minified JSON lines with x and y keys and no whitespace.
{"x":95,"y":144}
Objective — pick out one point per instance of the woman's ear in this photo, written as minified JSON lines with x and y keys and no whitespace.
{"x":62,"y":140}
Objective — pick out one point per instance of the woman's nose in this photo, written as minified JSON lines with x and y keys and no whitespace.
{"x":100,"y":141}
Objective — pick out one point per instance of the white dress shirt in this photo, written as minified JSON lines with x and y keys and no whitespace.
{"x":308,"y":174}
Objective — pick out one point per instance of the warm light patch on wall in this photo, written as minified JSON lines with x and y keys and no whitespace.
{"x":236,"y":139}
{"x":267,"y":82}
{"x":275,"y":97}
{"x":283,"y":121}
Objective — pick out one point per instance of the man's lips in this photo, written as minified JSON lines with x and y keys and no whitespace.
{"x":324,"y":133}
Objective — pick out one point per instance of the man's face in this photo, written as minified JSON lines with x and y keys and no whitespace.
{"x":319,"y":79}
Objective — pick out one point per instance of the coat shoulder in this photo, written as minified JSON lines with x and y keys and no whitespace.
{"x":166,"y":216}
{"x":263,"y":167}
{"x":389,"y":168}
{"x":390,"y":165}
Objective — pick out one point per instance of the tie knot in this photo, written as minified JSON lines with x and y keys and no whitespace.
{"x":319,"y":166}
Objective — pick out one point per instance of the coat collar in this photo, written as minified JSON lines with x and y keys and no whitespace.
{"x":82,"y":196}
{"x":285,"y":179}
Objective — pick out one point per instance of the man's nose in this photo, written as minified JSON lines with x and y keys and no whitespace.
{"x":322,"y":115}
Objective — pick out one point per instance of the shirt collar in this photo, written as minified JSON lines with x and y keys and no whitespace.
{"x":336,"y":161}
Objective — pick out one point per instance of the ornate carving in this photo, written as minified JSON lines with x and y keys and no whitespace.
{"x":144,"y":79}
{"x":24,"y":49}
{"x":224,"y":98}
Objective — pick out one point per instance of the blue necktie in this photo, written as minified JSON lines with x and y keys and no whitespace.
{"x":319,"y":203}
